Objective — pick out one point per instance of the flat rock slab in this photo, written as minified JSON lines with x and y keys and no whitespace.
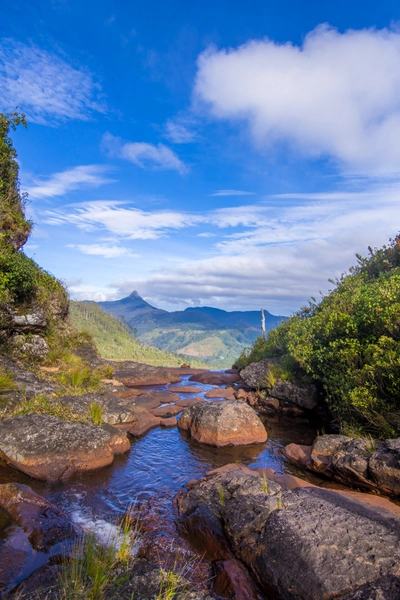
{"x":215,"y":378}
{"x":163,"y":396}
{"x":146,"y":422}
{"x":316,"y":543}
{"x":170,"y":422}
{"x":186,"y":389}
{"x":167,"y":411}
{"x":186,"y":402}
{"x":227,"y":393}
{"x":143,"y":375}
{"x":229,"y":423}
{"x":47,"y":448}
{"x":114,"y":410}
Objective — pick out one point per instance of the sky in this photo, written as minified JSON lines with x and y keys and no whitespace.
{"x":226,"y":153}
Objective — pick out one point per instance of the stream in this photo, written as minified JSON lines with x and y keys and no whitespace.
{"x":147,"y":478}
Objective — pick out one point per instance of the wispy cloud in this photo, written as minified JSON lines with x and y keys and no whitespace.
{"x":44,"y":85}
{"x":232,"y":193}
{"x":336,"y":95}
{"x":104,"y":250}
{"x":76,"y":178}
{"x":144,"y":155}
{"x":179,"y":132}
{"x":117,"y":218}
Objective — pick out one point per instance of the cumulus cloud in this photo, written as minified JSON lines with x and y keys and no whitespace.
{"x":61,"y":183}
{"x":104,"y":250}
{"x":125,"y":221}
{"x":44,"y":85}
{"x":337,"y":95}
{"x":144,"y":155}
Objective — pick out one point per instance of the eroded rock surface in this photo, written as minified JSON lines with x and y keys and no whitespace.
{"x":113,"y":410}
{"x":358,"y":462}
{"x":215,"y":378}
{"x":303,"y":544}
{"x":229,"y":423}
{"x":137,"y":374}
{"x":47,"y":448}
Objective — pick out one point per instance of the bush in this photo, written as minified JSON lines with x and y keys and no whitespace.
{"x":349,"y":343}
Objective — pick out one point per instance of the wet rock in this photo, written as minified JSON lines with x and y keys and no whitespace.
{"x":186,"y":389}
{"x":357,"y":462}
{"x":41,"y":520}
{"x":215,"y":378}
{"x":232,"y":580}
{"x":163,"y":396}
{"x":223,"y":423}
{"x":170,"y":422}
{"x":138,"y":374}
{"x":292,"y":541}
{"x":186,"y":402}
{"x":113,"y":409}
{"x":167,"y":411}
{"x":227,"y":393}
{"x":145,"y":422}
{"x":118,"y":442}
{"x":45,"y":447}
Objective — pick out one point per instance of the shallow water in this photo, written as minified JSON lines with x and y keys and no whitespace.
{"x":156,"y":467}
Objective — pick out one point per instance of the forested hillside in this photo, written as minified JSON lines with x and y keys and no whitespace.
{"x":349,"y":343}
{"x":114,"y":339}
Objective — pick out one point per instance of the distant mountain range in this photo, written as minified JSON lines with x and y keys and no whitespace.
{"x":210,"y":334}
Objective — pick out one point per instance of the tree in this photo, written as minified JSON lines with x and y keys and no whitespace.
{"x":14,"y":228}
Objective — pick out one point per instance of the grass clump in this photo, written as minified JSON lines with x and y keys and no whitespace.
{"x":96,"y":413}
{"x":7,"y":381}
{"x":43,"y":405}
{"x":264,"y":484}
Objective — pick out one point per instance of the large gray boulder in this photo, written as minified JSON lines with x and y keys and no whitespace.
{"x":303,"y":544}
{"x":229,"y":423}
{"x":47,"y":448}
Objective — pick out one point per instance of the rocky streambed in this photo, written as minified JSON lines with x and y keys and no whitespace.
{"x":250,"y":530}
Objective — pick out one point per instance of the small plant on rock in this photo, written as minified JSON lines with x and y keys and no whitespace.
{"x":96,"y":413}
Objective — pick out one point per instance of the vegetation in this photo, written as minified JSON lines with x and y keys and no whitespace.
{"x":349,"y":343}
{"x":114,"y":341}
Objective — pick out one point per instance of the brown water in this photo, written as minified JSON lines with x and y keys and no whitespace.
{"x":156,"y":467}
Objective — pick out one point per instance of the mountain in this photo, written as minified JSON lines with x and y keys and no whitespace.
{"x":112,"y":339}
{"x":210,"y":334}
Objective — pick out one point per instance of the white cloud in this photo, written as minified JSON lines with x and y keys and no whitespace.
{"x":179,"y":132}
{"x":104,"y":250}
{"x":59,"y":184}
{"x":45,"y":86}
{"x":336,"y":96}
{"x":232,"y":193}
{"x":121,"y":220}
{"x":144,"y":155}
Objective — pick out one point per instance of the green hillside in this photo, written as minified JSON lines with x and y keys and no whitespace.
{"x":114,"y":341}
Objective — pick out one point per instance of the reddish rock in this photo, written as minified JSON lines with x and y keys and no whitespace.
{"x":43,"y":523}
{"x":128,"y":393}
{"x":232,"y":580}
{"x":298,"y":454}
{"x":45,"y":447}
{"x":146,"y":401}
{"x":230,"y":423}
{"x":163,"y":396}
{"x":119,"y":442}
{"x":170,"y":422}
{"x":186,"y":402}
{"x":142,"y":375}
{"x":167,"y":411}
{"x":146,"y":422}
{"x":185,"y":389}
{"x":215,"y":378}
{"x":227,"y":393}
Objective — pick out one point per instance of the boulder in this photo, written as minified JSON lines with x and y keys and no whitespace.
{"x":306,"y":543}
{"x":359,"y":462}
{"x":30,"y":322}
{"x":257,"y":375}
{"x":304,"y":395}
{"x":44,"y":524}
{"x":137,"y":374}
{"x":230,"y":423}
{"x":215,"y":377}
{"x":47,"y":448}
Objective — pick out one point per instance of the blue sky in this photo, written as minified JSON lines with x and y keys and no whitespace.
{"x":225,"y":153}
